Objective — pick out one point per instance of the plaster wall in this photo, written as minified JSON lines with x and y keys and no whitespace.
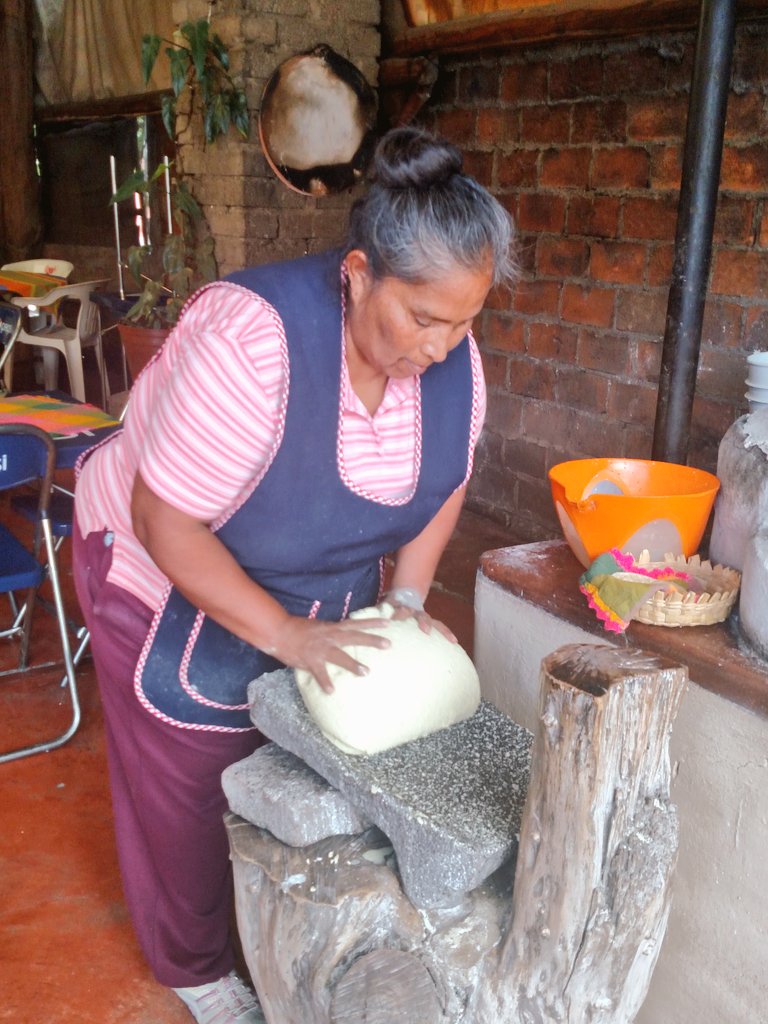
{"x":712,"y":963}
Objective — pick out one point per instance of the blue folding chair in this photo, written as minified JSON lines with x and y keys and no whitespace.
{"x":28,"y":457}
{"x":10,"y":328}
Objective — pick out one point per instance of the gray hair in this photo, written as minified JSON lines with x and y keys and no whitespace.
{"x":422,"y":217}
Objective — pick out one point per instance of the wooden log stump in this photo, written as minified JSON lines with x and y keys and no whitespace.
{"x":330,"y":937}
{"x":598,"y":842}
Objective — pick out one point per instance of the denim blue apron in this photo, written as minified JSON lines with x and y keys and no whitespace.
{"x":302,"y":534}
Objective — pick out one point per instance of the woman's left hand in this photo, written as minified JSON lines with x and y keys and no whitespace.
{"x":402,"y":610}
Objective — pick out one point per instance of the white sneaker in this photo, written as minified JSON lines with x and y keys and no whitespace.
{"x":223,"y":1002}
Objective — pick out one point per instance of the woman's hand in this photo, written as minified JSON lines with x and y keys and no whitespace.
{"x":406,"y":604}
{"x":312,"y":644}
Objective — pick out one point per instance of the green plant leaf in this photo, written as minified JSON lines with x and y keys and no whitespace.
{"x":135,"y":182}
{"x":168,"y":114}
{"x":216,"y":117}
{"x":150,"y":47}
{"x":179,"y":65}
{"x":219,"y":51}
{"x":196,"y":34}
{"x":238,"y":107}
{"x":186,"y":202}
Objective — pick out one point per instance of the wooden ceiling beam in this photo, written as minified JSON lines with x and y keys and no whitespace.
{"x":531,"y":23}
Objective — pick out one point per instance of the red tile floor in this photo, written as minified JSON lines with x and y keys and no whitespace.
{"x":67,"y":952}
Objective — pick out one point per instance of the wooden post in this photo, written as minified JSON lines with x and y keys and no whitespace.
{"x":20,"y":221}
{"x":598,"y":842}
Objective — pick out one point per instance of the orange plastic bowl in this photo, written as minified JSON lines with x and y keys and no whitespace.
{"x":632,"y":505}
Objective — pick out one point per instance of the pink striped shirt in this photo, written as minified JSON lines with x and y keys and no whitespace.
{"x":205,"y":420}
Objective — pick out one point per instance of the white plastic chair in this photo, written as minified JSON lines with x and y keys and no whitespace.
{"x":55,"y":337}
{"x":55,"y":268}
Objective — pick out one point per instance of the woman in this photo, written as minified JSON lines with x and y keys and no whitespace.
{"x":303,"y":420}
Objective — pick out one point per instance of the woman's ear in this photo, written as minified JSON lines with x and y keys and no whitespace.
{"x":359,"y":273}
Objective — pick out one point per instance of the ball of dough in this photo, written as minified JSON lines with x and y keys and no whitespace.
{"x":420,"y":683}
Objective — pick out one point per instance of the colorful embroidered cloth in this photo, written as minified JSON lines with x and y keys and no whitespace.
{"x":58,"y":418}
{"x":22,"y":282}
{"x":615,"y":585}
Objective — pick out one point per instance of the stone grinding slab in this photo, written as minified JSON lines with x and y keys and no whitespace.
{"x":451,"y":803}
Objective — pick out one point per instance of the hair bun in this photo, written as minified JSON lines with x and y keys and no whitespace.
{"x":412,"y":158}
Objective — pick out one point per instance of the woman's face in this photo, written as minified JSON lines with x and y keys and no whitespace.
{"x":400,"y":329}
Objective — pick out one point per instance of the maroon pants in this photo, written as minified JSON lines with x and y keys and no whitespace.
{"x":166,"y":791}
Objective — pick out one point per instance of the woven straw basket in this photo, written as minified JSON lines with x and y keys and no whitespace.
{"x":721,"y":585}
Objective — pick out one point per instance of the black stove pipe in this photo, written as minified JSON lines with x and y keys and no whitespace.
{"x":695,"y":222}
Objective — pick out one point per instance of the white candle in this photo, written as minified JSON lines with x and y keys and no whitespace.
{"x":168,"y":195}
{"x":113,"y":176}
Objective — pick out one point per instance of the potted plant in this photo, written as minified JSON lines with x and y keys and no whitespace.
{"x":170,"y":272}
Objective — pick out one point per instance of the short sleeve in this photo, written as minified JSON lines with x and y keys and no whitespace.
{"x":215,"y":420}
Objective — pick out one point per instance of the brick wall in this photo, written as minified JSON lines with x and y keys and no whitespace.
{"x":582,"y":142}
{"x":253,"y":216}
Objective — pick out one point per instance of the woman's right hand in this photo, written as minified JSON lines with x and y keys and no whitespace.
{"x":312,"y":644}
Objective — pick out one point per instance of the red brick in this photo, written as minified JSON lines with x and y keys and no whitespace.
{"x":680,"y":72}
{"x":745,"y":118}
{"x":534,"y":501}
{"x":502,"y":332}
{"x":552,"y":341}
{"x":666,"y":167}
{"x":497,"y":126}
{"x":511,"y":203}
{"x":518,"y":169}
{"x":536,"y":297}
{"x":603,"y":351}
{"x":576,"y":78}
{"x":494,"y":369}
{"x":642,"y":312}
{"x":479,"y":166}
{"x":755,"y":328}
{"x":745,"y":168}
{"x":561,"y":257}
{"x":599,"y":123}
{"x":524,"y":82}
{"x":740,"y":273}
{"x":637,"y":440}
{"x":526,"y":255}
{"x":478,"y":82}
{"x":531,"y":377}
{"x":632,"y":402}
{"x":545,"y":124}
{"x":623,"y":168}
{"x":589,"y":434}
{"x":721,"y":373}
{"x":649,"y":218}
{"x":623,"y":72}
{"x":498,"y":298}
{"x":619,"y":262}
{"x":660,"y":261}
{"x":588,"y":305}
{"x":565,"y":168}
{"x":645,"y":356}
{"x":457,"y":125}
{"x":595,"y":216}
{"x":734,"y":220}
{"x":505,"y":414}
{"x":577,"y":388}
{"x":722,"y":323}
{"x":711,"y":419}
{"x":657,"y":117}
{"x":749,"y":58}
{"x":762,"y":238}
{"x":444,"y":90}
{"x":521,"y":456}
{"x":545,"y":422}
{"x":540,"y":211}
